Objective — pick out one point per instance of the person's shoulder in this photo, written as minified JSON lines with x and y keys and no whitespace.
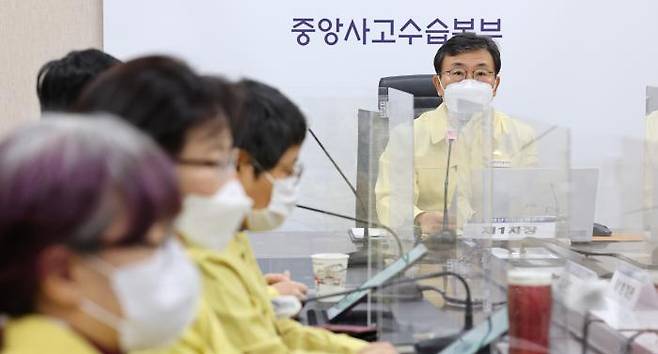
{"x":426,"y":120}
{"x":53,"y":337}
{"x":430,"y":115}
{"x":506,"y":118}
{"x":516,"y":124}
{"x":213,"y":262}
{"x":426,"y":115}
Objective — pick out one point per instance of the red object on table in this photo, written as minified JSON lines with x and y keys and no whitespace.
{"x":529,"y":309}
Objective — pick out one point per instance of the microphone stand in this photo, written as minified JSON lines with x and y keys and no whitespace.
{"x":433,"y":345}
{"x":361,"y":255}
{"x":346,"y":217}
{"x":447,"y":235}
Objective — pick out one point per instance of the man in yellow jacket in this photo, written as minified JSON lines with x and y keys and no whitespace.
{"x":467,"y":68}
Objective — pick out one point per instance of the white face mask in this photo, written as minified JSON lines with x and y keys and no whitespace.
{"x":466,"y":98}
{"x":211,"y":222}
{"x":285,"y":193}
{"x":158,"y":298}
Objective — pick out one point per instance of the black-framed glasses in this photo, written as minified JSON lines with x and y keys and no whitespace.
{"x":459,"y":74}
{"x":296,"y":171}
{"x":224,"y":166}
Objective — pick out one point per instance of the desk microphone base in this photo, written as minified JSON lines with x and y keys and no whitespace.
{"x":360,"y":257}
{"x":444,"y":240}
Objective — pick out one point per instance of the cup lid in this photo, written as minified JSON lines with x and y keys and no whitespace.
{"x":529,"y":277}
{"x":330,"y":256}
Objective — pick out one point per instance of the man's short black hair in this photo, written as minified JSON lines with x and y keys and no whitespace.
{"x":464,"y":43}
{"x":160,"y":95}
{"x":60,"y":81}
{"x":268,"y":125}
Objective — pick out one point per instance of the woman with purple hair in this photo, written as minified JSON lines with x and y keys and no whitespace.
{"x":87,"y":261}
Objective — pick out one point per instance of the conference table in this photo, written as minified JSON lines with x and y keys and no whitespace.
{"x":429,"y":316}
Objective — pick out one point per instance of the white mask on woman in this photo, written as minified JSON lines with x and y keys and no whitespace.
{"x":285,"y":193}
{"x":158,"y":298}
{"x":211,"y":222}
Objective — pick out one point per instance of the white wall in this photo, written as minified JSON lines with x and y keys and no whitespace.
{"x":578,"y":64}
{"x":31,"y":33}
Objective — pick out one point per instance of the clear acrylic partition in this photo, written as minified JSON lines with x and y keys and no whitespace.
{"x":650,"y":212}
{"x":391,"y":156}
{"x":356,"y":135}
{"x":626,"y":203}
{"x":630,"y":183}
{"x":395,"y":203}
{"x":624,"y":186}
{"x":520,"y":179}
{"x":633,"y":183}
{"x":514,"y":192}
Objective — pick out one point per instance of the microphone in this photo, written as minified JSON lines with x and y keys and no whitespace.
{"x":640,"y":210}
{"x":447,"y":235}
{"x":533,"y":141}
{"x":346,"y":217}
{"x":433,"y":345}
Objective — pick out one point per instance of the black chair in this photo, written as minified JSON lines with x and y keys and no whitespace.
{"x":425,"y":96}
{"x":652,"y":99}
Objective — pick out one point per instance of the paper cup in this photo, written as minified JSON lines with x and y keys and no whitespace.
{"x":330,"y":273}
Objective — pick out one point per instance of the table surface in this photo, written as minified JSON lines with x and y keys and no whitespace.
{"x":417,"y":320}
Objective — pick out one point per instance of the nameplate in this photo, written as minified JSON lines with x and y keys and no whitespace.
{"x":510,"y":230}
{"x":633,"y":289}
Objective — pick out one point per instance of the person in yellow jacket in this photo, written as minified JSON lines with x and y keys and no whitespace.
{"x":186,"y":115}
{"x":467,"y":68}
{"x":268,"y":133}
{"x":168,"y":101}
{"x":87,"y":255}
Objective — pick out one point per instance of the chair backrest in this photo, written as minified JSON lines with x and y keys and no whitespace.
{"x":420,"y":86}
{"x":652,"y":99}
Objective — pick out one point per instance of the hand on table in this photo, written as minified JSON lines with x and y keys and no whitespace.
{"x":285,"y":286}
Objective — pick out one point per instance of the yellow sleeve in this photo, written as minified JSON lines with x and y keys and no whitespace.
{"x":383,"y":189}
{"x":272,"y":292}
{"x":247,"y":319}
{"x":299,"y":337}
{"x":32,"y":334}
